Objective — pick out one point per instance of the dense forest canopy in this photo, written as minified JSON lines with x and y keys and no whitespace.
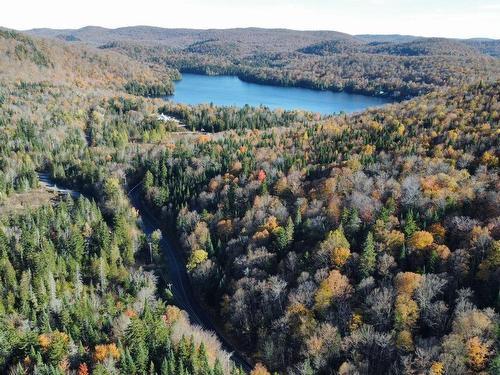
{"x":396,"y":66}
{"x":367,"y":243}
{"x":349,"y":244}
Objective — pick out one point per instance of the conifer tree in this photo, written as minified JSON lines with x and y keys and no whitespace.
{"x":368,"y":257}
{"x":202,"y":361}
{"x":218,"y":368}
{"x":410,"y":224}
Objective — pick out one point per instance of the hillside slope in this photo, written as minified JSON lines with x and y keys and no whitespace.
{"x":397,"y":66}
{"x":365,"y":244}
{"x":34,"y":60}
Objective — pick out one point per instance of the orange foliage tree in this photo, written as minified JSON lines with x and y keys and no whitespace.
{"x":335,"y":286}
{"x":260,"y":369}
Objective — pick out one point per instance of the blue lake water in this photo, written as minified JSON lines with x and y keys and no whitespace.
{"x":228,"y":90}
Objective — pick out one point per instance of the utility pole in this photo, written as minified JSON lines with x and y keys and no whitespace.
{"x":150,"y":252}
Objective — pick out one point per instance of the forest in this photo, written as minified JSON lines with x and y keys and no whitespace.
{"x":367,"y":244}
{"x":393,"y":66}
{"x":348,"y":244}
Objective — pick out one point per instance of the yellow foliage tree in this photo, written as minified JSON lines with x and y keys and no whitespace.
{"x":407,"y":312}
{"x":421,"y":240}
{"x":104,"y":351}
{"x":489,"y":159}
{"x":172,"y":314}
{"x":442,"y":251}
{"x":356,"y":321}
{"x":437,"y":368}
{"x":261,"y":235}
{"x":407,"y":282}
{"x":271,"y":224}
{"x":301,"y":318}
{"x":112,"y":187}
{"x":404,"y":340}
{"x":197,"y":257}
{"x":44,"y":341}
{"x":337,"y":246}
{"x":477,"y":353}
{"x":100,"y":353}
{"x":395,"y":239}
{"x":368,"y":150}
{"x":340,"y":255}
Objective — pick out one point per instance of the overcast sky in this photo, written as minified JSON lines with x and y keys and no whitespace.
{"x":447,"y":18}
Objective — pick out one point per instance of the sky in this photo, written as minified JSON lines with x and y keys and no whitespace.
{"x":443,"y":18}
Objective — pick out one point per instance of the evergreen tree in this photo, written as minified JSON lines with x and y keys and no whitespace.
{"x":165,"y":367}
{"x":368,"y":257}
{"x":202,"y":361}
{"x":218,"y":368}
{"x":410,"y":226}
{"x":148,"y":181}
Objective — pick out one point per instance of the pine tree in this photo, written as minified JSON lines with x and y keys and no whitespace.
{"x":180,"y":369}
{"x":264,"y":189}
{"x":218,"y":368}
{"x":141,"y":357}
{"x":148,"y":181}
{"x":127,"y":364}
{"x":289,"y":230}
{"x":165,"y":367}
{"x":209,"y":246}
{"x":410,"y":224}
{"x":171,"y":362}
{"x":298,"y":218}
{"x":202,"y":361}
{"x":368,"y":257}
{"x":351,"y":222}
{"x":182,"y":351}
{"x":281,"y":239}
{"x":307,"y":369}
{"x":192,"y":363}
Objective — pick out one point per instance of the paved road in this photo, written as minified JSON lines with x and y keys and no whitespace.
{"x":181,"y":285}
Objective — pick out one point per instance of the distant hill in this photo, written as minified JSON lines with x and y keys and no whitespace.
{"x":390,"y":38}
{"x":425,"y":47}
{"x":487,"y":46}
{"x":250,"y":39}
{"x":400,"y":66}
{"x":34,"y":60}
{"x":415,"y":47}
{"x":331,"y":47}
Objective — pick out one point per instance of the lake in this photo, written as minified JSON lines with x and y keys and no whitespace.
{"x":229,"y":90}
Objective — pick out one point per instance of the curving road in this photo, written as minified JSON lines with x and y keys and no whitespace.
{"x":181,"y":286}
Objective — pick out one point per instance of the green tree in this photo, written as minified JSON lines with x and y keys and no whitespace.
{"x":202,"y":361}
{"x":368,"y":257}
{"x":410,"y":226}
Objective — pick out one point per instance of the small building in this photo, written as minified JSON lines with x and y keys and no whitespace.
{"x":163,"y":117}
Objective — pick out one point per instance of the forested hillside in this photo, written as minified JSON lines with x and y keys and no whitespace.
{"x":78,"y":292}
{"x":396,"y":66}
{"x":27,"y":59}
{"x":365,"y":244}
{"x":346,"y":244}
